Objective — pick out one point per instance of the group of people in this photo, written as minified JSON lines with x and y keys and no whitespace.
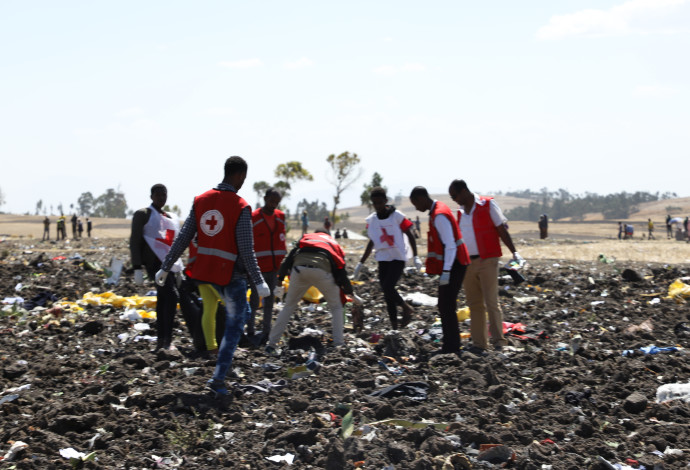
{"x":77,"y":227}
{"x":682,"y":227}
{"x":233,"y":248}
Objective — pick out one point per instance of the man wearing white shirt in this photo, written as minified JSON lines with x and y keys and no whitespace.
{"x":482,"y":223}
{"x":447,"y":256}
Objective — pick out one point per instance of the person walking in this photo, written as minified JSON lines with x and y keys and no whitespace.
{"x":669,"y":230}
{"x":327,"y":225}
{"x":387,"y":229}
{"x":61,"y":230}
{"x":46,"y":229}
{"x":80,"y":228}
{"x":222,"y":222}
{"x":316,"y":261}
{"x":268,"y":223}
{"x":88,"y":227}
{"x":74,"y":225}
{"x":483,"y":225}
{"x":650,"y":230}
{"x":447,"y":256}
{"x":153,"y":232}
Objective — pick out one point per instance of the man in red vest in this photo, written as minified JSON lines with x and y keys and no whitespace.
{"x":447,"y":257}
{"x":317,"y":261}
{"x":268,"y":223}
{"x":482,"y":224}
{"x":222,"y":223}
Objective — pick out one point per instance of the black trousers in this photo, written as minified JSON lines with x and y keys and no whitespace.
{"x":166,"y":306}
{"x":448,"y":306}
{"x":389,"y":275}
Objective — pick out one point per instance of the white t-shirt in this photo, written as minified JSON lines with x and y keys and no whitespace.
{"x":390,"y":242}
{"x":467,"y":228}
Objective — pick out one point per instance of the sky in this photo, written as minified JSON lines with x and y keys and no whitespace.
{"x":584,"y":95}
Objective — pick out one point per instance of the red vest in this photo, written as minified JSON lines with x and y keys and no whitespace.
{"x":217,"y":213}
{"x":488,"y":240}
{"x":325,"y":242}
{"x":435,"y":251}
{"x":269,"y":246}
{"x":191,"y":258}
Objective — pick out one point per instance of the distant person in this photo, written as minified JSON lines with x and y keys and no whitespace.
{"x":268,"y":223}
{"x":483,"y":227}
{"x":153,"y":232}
{"x":418,"y":226}
{"x":543,"y":226}
{"x":686,"y":224}
{"x":89,"y":226}
{"x":222,"y":222}
{"x":305,"y":222}
{"x":447,"y":257}
{"x":650,"y":229}
{"x":621,"y":230}
{"x":387,"y":229}
{"x":61,"y":230}
{"x":345,"y":233}
{"x":669,"y":229}
{"x":74,"y":225}
{"x":327,"y":225}
{"x":337,"y":234}
{"x":629,"y":231}
{"x":46,"y":228}
{"x":80,"y":227}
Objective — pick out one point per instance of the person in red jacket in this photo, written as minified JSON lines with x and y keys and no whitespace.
{"x":268,"y":224}
{"x":221,"y":221}
{"x":447,"y":256}
{"x":317,"y":261}
{"x":483,"y":225}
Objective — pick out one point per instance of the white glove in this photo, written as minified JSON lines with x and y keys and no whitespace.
{"x":279,"y":291}
{"x":161,"y":276}
{"x":262,"y":290}
{"x":357,"y":299}
{"x":139,"y":277}
{"x":358,"y":269}
{"x":445,"y":278}
{"x":418,"y":263}
{"x":518,"y":258}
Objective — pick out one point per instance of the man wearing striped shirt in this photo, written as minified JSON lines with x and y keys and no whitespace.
{"x":222,"y":222}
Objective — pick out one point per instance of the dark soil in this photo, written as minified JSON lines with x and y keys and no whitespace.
{"x":562,"y":396}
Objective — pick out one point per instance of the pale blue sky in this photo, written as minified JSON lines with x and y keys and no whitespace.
{"x":586,"y":95}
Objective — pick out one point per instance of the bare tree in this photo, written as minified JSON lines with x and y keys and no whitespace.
{"x":346,"y":170}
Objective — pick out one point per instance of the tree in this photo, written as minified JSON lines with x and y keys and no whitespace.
{"x":346,"y":171}
{"x":59,"y":208}
{"x":39,"y":206}
{"x":85,"y":203}
{"x":376,"y":180}
{"x":289,"y":173}
{"x":112,"y":203}
{"x":315,"y":210}
{"x":175,"y":209}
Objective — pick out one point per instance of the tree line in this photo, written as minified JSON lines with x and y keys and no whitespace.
{"x":562,"y":204}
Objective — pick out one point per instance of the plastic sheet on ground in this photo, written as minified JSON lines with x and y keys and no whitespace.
{"x":412,"y":390}
{"x":289,"y":458}
{"x":652,"y":349}
{"x":420,"y":298}
{"x":678,"y":291}
{"x":679,"y":391}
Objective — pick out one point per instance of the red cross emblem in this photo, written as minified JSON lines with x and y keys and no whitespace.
{"x":385,"y":238}
{"x":169,"y":237}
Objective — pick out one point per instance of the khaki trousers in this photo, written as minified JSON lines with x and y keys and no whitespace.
{"x":481,"y":292}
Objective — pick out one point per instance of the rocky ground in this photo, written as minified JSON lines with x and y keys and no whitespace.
{"x":563,"y":395}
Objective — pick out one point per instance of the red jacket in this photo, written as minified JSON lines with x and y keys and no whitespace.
{"x":217,"y":213}
{"x":324,"y":242}
{"x":434,"y":258}
{"x":269,"y":246}
{"x":488,"y":240}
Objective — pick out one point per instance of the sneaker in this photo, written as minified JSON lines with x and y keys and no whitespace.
{"x":271,"y":350}
{"x":217,"y":387}
{"x":476,"y":350}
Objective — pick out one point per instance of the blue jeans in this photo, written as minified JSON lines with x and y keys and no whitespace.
{"x":236,"y":315}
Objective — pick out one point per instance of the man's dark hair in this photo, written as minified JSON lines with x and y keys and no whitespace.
{"x":419,"y":191}
{"x":273,"y":190}
{"x":378,"y":191}
{"x":235,"y":165}
{"x":158,"y":187}
{"x":458,"y":185}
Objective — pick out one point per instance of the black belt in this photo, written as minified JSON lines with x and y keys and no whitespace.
{"x":474,"y":256}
